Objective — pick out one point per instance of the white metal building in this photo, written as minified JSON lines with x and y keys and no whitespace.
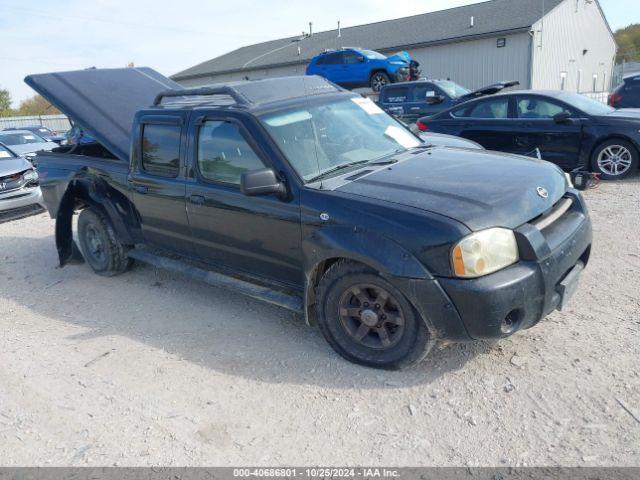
{"x":545,"y":44}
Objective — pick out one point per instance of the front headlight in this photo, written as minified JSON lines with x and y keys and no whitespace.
{"x":30,"y":176}
{"x":484,"y":252}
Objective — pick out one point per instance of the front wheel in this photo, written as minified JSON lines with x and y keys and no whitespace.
{"x":368,"y":321}
{"x":99,"y":245}
{"x":615,"y":159}
{"x":379,"y":80}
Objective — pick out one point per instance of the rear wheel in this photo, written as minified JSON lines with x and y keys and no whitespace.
{"x":99,"y":245}
{"x":367,"y":320}
{"x":379,"y":80}
{"x":615,"y":159}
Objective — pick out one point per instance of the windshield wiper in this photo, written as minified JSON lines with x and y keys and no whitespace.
{"x":338,"y":168}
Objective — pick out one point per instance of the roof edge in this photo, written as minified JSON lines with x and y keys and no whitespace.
{"x":178,"y":76}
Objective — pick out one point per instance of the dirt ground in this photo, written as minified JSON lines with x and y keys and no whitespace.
{"x":150,"y":368}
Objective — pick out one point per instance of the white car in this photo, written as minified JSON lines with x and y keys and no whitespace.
{"x":20,"y":193}
{"x":24,"y":142}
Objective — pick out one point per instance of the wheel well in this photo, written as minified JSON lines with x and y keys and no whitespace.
{"x":606,"y":139}
{"x":378,"y":70}
{"x":313,"y":280}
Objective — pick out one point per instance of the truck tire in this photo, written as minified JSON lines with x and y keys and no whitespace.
{"x":615,"y":159}
{"x":379,"y":80}
{"x":367,"y":320}
{"x":100,"y":248}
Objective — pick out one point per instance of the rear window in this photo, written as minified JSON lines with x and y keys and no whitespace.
{"x":161,"y":149}
{"x":497,"y":108}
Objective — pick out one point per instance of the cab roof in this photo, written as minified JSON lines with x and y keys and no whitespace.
{"x":104,"y":102}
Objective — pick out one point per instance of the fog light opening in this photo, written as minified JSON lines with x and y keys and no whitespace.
{"x":511,"y":322}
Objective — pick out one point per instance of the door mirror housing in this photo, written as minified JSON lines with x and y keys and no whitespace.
{"x":563,"y":118}
{"x":434,"y":100}
{"x":362,"y":59}
{"x":261,"y":182}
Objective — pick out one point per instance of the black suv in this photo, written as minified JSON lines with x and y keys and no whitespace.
{"x":302,"y":194}
{"x":627,"y":95}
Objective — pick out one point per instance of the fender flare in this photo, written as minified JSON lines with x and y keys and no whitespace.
{"x":96,"y":193}
{"x":374,"y":250}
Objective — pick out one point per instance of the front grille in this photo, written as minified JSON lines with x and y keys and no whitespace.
{"x":11,"y":182}
{"x":553,"y":215}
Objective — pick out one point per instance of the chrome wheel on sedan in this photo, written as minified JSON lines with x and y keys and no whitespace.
{"x":615,"y":159}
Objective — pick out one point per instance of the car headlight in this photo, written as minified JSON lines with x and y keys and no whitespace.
{"x":30,"y":176}
{"x":484,"y":252}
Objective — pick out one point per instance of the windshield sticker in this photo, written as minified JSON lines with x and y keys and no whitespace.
{"x":401,"y":136}
{"x":431,"y":93}
{"x":29,"y":137}
{"x":367,"y":105}
{"x":4,"y":154}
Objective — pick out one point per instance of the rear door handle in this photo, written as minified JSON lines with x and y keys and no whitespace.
{"x":142,"y":189}
{"x":197,"y":199}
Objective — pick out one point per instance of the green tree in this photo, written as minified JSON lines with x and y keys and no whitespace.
{"x":5,"y":102}
{"x":36,"y":105}
{"x":628,"y":40}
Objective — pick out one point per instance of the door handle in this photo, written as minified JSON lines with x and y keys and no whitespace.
{"x":142,"y":189}
{"x":197,"y":199}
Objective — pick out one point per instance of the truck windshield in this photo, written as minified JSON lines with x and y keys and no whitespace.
{"x":355,"y":131}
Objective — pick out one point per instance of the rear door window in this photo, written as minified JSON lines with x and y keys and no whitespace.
{"x":333,"y":58}
{"x":495,"y":108}
{"x":161,"y":149}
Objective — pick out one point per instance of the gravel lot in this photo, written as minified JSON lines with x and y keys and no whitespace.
{"x":151,"y":368}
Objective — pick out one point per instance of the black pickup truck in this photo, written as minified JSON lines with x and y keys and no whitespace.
{"x":310,"y":197}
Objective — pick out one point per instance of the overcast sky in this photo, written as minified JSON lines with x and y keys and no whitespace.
{"x":44,"y":36}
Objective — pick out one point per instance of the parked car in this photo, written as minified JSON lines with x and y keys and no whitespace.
{"x":569,"y":129}
{"x":443,"y":140}
{"x":627,"y":94}
{"x":20,"y":194}
{"x":310,"y":197}
{"x":43,"y":132}
{"x":409,"y":101}
{"x":24,"y":142}
{"x":355,"y":67}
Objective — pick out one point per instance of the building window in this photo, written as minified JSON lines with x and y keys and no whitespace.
{"x":502,"y":42}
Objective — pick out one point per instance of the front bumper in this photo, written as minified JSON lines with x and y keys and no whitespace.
{"x":20,"y":202}
{"x":517,"y":297}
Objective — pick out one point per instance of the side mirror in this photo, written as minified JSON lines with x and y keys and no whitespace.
{"x":362,"y":59}
{"x":261,"y":182}
{"x":563,"y":117}
{"x":434,"y":100}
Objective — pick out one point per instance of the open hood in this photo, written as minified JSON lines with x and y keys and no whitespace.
{"x":400,"y":57}
{"x":103,"y":101}
{"x":490,"y":90}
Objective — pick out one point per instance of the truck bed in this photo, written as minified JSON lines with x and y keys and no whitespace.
{"x":58,"y":168}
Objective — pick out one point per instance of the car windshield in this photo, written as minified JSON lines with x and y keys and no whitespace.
{"x":5,"y":153}
{"x":452,"y":89}
{"x":321,"y":139}
{"x":18,"y":138}
{"x":586,"y":104}
{"x":372,"y":55}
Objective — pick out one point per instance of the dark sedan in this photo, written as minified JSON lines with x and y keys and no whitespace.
{"x":569,"y":129}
